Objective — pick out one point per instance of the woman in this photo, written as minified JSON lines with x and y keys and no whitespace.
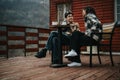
{"x":79,"y":39}
{"x":52,"y":40}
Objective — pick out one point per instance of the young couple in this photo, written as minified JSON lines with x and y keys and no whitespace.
{"x":74,"y":37}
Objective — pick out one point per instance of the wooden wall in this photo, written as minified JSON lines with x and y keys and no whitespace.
{"x":104,"y":10}
{"x":21,"y":40}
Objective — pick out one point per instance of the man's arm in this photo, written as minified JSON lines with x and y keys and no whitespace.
{"x":78,"y":26}
{"x":74,"y":27}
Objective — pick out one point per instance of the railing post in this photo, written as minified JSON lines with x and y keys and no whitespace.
{"x":25,"y":42}
{"x":7,"y":42}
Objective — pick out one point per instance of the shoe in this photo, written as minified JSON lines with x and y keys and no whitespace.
{"x":72,"y":53}
{"x":74,"y":64}
{"x":41,"y":54}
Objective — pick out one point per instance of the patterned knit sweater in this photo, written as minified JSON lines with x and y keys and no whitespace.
{"x":92,"y":24}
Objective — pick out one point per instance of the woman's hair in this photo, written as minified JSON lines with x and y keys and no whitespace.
{"x":67,"y":13}
{"x":89,"y":9}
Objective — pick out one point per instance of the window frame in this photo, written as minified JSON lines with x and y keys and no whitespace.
{"x":115,"y":10}
{"x":64,"y":5}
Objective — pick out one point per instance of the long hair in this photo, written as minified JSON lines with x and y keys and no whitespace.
{"x":89,"y":9}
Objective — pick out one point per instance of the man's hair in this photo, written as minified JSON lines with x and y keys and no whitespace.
{"x":67,"y":13}
{"x":89,"y":9}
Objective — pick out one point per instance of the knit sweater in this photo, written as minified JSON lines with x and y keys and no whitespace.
{"x":92,"y":24}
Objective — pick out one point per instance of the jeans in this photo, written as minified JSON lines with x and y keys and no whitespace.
{"x":52,"y":44}
{"x":53,"y":34}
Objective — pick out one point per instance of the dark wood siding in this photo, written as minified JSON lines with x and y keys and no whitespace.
{"x":104,"y":10}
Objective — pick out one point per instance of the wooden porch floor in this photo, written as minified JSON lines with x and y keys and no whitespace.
{"x":31,"y":68}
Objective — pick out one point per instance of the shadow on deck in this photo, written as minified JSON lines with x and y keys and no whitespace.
{"x":31,"y":68}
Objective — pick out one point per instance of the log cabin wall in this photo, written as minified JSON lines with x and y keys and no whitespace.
{"x":21,"y":40}
{"x":104,"y":10}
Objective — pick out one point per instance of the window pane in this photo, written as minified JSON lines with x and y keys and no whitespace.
{"x":118,"y":9}
{"x":60,"y":12}
{"x":118,"y":1}
{"x":118,"y":17}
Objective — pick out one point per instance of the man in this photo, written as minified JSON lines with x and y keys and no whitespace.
{"x":53,"y":38}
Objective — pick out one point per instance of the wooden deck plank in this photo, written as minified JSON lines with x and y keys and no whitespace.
{"x":116,"y":76}
{"x":105,"y":76}
{"x":94,"y":71}
{"x":99,"y":74}
{"x":31,"y":68}
{"x":75,"y":74}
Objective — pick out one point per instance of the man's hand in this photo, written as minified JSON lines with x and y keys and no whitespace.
{"x":74,"y":27}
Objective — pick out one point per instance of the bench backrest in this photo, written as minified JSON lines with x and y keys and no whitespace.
{"x":108,"y":28}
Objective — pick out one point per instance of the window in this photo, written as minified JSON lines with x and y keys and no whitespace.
{"x":61,"y":9}
{"x":117,"y":10}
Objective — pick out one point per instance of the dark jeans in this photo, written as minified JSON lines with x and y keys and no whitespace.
{"x":78,"y":40}
{"x":54,"y":34}
{"x":52,"y":44}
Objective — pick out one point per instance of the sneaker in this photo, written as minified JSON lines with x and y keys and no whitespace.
{"x":41,"y":54}
{"x":74,"y":64}
{"x":72,"y":53}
